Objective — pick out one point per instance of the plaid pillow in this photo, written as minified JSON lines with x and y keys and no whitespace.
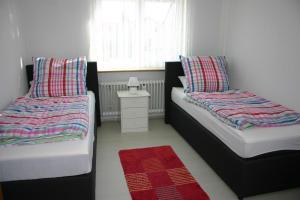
{"x":205,"y":73}
{"x":59,"y":77}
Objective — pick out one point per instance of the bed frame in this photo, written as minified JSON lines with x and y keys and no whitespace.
{"x":62,"y":188}
{"x":245,"y":176}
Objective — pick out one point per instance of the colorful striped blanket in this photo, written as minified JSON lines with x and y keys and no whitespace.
{"x":242,"y":109}
{"x":42,"y":120}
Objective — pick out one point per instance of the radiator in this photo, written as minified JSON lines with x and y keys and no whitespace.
{"x":110,"y":103}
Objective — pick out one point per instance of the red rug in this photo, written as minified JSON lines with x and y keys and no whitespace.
{"x":156,"y":173}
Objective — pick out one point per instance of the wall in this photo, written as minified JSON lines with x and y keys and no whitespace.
{"x":263,"y":47}
{"x":12,"y":76}
{"x":124,"y":76}
{"x":260,"y":38}
{"x":205,"y":27}
{"x":55,"y":28}
{"x":60,"y":28}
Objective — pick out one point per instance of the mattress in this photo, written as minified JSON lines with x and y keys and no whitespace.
{"x":245,"y":143}
{"x":49,"y":160}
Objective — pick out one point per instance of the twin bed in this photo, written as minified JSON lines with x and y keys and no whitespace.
{"x":62,"y":170}
{"x":252,"y":161}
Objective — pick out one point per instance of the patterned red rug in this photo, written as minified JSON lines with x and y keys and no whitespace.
{"x":156,"y":173}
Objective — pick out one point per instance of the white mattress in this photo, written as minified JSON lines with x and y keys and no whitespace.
{"x":49,"y":160}
{"x":246,"y":143}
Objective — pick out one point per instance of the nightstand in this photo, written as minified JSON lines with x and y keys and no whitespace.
{"x":134,"y":111}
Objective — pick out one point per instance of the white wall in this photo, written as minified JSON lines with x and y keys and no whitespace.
{"x":124,"y":76}
{"x":263,"y":46}
{"x":205,"y":27}
{"x":60,"y":28}
{"x":12,"y":73}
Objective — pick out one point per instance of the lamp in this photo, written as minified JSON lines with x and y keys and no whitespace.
{"x":133,"y":83}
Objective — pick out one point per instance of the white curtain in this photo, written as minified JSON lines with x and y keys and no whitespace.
{"x":137,"y":34}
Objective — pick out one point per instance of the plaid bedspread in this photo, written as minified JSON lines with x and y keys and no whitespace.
{"x":42,"y":120}
{"x":242,"y":109}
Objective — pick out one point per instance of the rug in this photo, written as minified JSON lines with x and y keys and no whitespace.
{"x":156,"y":173}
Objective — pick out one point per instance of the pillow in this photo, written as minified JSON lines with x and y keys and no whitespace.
{"x":183,"y":82}
{"x":54,"y":77}
{"x":205,"y":73}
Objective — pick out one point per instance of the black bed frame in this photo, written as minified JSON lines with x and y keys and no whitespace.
{"x":245,"y":176}
{"x":80,"y":187}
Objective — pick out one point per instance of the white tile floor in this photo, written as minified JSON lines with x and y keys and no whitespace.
{"x":111,"y":184}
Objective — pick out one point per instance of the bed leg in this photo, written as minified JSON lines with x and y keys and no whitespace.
{"x":240,"y":198}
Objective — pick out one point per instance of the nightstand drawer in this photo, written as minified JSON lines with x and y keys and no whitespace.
{"x":134,"y":123}
{"x":134,"y":102}
{"x":134,"y":112}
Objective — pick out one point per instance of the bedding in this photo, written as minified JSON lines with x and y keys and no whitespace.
{"x":48,"y":160}
{"x":42,"y":120}
{"x":54,"y":77}
{"x":267,"y":172}
{"x":205,"y":73}
{"x":246,"y":143}
{"x":243,"y":109}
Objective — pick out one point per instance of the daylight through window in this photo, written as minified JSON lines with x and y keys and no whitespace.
{"x":137,"y":34}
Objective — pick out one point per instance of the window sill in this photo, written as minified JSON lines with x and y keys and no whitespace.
{"x":131,"y":70}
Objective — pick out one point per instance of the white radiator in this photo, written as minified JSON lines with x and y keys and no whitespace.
{"x":110,"y":103}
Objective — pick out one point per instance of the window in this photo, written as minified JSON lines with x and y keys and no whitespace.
{"x":137,"y":34}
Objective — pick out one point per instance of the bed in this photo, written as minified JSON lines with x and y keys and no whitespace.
{"x":71,"y":157}
{"x":244,"y":169}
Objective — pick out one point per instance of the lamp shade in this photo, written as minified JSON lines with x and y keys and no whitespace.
{"x":133,"y":82}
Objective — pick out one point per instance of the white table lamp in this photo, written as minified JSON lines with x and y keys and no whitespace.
{"x":133,"y":83}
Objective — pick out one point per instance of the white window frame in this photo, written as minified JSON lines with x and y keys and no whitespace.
{"x":100,"y":51}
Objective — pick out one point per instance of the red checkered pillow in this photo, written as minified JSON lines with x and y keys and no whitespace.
{"x":54,"y":77}
{"x":205,"y":73}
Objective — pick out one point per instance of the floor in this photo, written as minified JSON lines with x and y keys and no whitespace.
{"x":111,"y":184}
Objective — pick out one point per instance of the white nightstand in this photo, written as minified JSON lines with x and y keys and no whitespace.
{"x":134,"y":111}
